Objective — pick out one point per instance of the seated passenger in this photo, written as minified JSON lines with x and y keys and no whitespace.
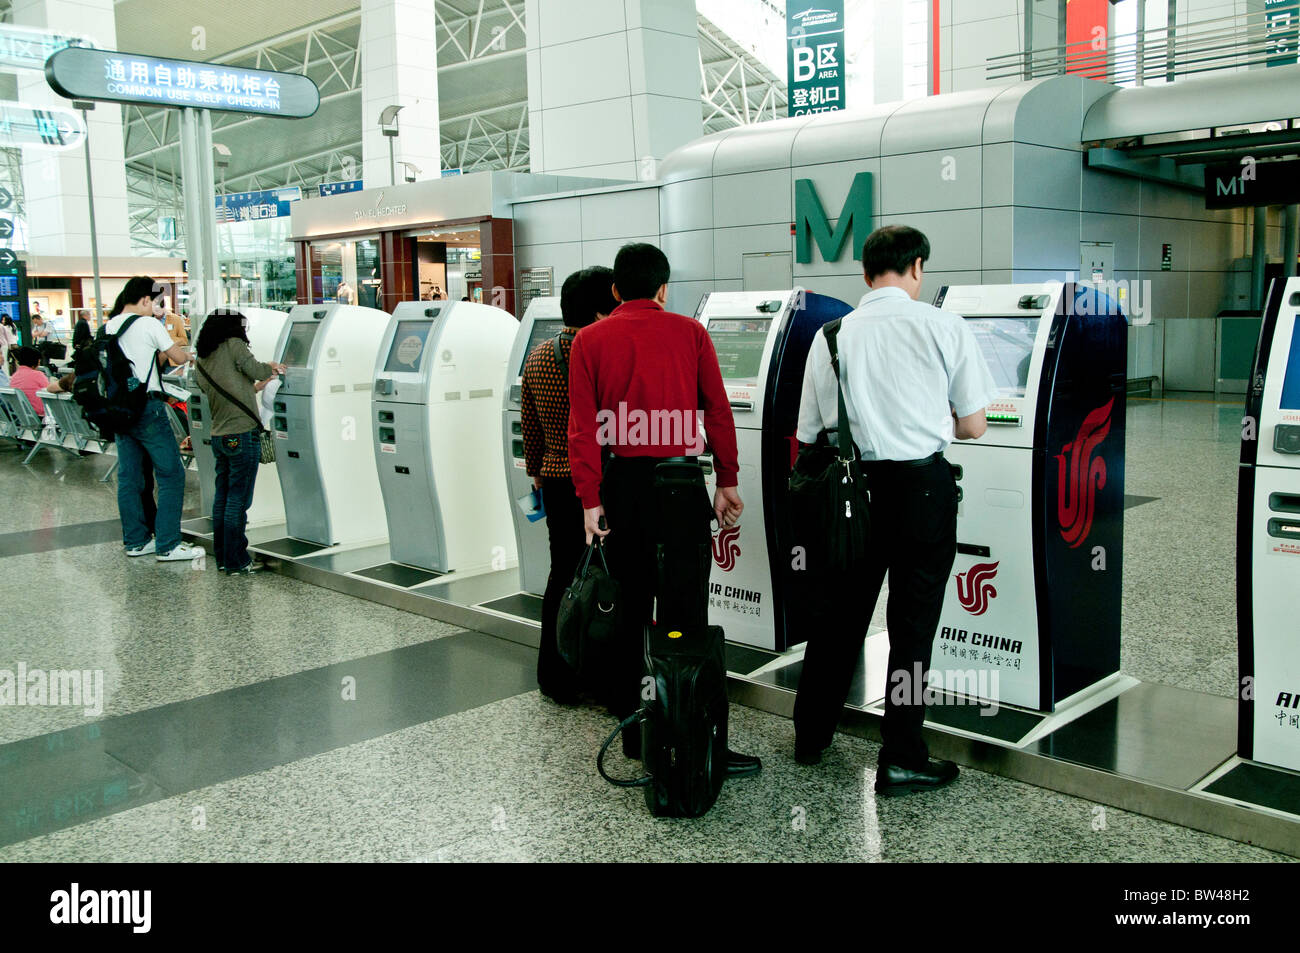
{"x":28,"y":379}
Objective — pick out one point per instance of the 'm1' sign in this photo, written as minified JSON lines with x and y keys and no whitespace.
{"x":812,"y":225}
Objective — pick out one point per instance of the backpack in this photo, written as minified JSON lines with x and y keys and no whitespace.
{"x":105,"y":385}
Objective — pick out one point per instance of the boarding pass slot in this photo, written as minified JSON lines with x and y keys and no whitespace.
{"x":1284,"y":529}
{"x":970,"y":549}
{"x":1005,"y":420}
{"x":1284,"y":502}
{"x":745,"y":405}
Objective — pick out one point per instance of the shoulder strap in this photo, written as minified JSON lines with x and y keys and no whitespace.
{"x":831,"y":331}
{"x":257,"y":418}
{"x":559,"y":355}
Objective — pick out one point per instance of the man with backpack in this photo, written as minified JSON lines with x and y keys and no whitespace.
{"x":132,"y":398}
{"x":639,"y":383}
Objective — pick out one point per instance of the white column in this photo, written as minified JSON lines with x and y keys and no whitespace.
{"x":612,"y":86}
{"x":399,"y":66}
{"x":54,"y":181}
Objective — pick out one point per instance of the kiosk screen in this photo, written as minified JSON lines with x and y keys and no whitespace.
{"x":1008,"y":348}
{"x":298,"y":348}
{"x":542,"y":331}
{"x":739,"y":343}
{"x":1291,"y":381}
{"x":408,"y":346}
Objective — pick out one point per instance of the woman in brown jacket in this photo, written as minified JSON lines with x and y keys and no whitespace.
{"x":230,"y":378}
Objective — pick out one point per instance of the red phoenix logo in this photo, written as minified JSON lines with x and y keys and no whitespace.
{"x":974,"y":589}
{"x":726,"y":547}
{"x":1081,"y":475}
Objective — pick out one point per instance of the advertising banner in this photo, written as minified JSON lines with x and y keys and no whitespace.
{"x":815,"y":58}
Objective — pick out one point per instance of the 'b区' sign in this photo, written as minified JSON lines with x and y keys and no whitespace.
{"x":110,"y":76}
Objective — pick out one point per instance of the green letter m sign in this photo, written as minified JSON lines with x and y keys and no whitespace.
{"x":811,"y":223}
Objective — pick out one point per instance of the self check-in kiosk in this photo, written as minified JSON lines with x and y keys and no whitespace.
{"x":434,"y":418}
{"x":264,"y":329}
{"x":1032,"y":611}
{"x":1268,"y":540}
{"x":762,"y":340}
{"x":324,"y":445}
{"x":541,"y":322}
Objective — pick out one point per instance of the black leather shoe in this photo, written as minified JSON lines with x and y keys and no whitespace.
{"x":739,"y":765}
{"x":892,"y":780}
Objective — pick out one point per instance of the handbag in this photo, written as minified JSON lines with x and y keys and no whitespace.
{"x":590,"y":611}
{"x":265,"y":438}
{"x":828,"y":492}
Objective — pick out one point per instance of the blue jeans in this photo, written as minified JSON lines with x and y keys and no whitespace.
{"x":150,"y":442}
{"x":238,"y":456}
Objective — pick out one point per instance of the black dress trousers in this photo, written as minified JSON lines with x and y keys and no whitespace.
{"x":914,"y":540}
{"x":567,"y":543}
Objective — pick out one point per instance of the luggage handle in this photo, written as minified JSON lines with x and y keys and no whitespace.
{"x":595,"y":546}
{"x":600,"y":758}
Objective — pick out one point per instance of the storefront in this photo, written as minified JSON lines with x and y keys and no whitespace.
{"x":450,"y":238}
{"x":62,"y":288}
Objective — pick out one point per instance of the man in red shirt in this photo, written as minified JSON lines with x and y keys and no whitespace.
{"x":639,"y":383}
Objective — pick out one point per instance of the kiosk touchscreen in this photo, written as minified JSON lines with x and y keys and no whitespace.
{"x":762,"y":340}
{"x":1268,"y":540}
{"x":1032,"y":611}
{"x":323,"y":450}
{"x":541,"y":322}
{"x":264,"y":328}
{"x":434,"y":417}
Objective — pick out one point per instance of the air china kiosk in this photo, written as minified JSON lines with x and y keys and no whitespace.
{"x":434,"y":419}
{"x":762,"y":340}
{"x":1268,"y":551}
{"x":324,"y":446}
{"x":1032,"y":612}
{"x":541,"y":322}
{"x":264,"y":329}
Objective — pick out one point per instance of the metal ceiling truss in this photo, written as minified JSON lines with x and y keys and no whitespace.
{"x":736,"y":89}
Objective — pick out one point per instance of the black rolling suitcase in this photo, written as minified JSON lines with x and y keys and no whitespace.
{"x":683,"y":722}
{"x":683,"y":717}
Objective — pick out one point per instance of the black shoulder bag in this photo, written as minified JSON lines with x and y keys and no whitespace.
{"x":264,"y":436}
{"x":587,"y":620}
{"x":828,"y":491}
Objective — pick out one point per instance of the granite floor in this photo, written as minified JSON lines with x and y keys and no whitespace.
{"x":494,"y":771}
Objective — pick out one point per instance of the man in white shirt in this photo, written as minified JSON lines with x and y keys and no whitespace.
{"x":913,"y":378}
{"x":150,"y":440}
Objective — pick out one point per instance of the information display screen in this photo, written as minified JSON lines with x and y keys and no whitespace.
{"x":8,"y":286}
{"x":543,"y":330}
{"x":298,"y":348}
{"x":1008,"y":348}
{"x":9,"y":309}
{"x":1291,"y":380}
{"x":739,"y":343}
{"x":408,"y":346}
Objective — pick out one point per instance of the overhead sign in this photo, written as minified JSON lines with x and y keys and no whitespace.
{"x":6,"y":228}
{"x":254,"y":206}
{"x":1281,"y":25}
{"x":28,"y":48}
{"x":338,"y":188}
{"x":148,"y":80}
{"x":7,"y":258}
{"x":6,"y":198}
{"x":815,"y":58}
{"x":1250,"y":184}
{"x":22,"y":125}
{"x":448,"y":173}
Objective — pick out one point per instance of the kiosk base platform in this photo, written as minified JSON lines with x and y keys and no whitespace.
{"x":399,"y":574}
{"x":1164,"y":752}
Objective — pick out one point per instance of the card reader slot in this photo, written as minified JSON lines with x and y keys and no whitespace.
{"x":279,"y":407}
{"x":281,"y":424}
{"x":516,"y":427}
{"x":517,"y":448}
{"x":1284,"y":529}
{"x":387,"y":435}
{"x":1284,"y":502}
{"x":385,"y":416}
{"x":742,"y":405}
{"x":970,"y":549}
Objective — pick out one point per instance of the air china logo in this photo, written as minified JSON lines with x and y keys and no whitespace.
{"x":726,"y":547}
{"x":974,"y":590}
{"x":1080,"y":475}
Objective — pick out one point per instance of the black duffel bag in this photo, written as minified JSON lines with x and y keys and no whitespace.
{"x":587,"y":621}
{"x":828,"y":493}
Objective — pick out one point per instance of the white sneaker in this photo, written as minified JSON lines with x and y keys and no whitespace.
{"x":144,"y":550}
{"x":182,"y":552}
